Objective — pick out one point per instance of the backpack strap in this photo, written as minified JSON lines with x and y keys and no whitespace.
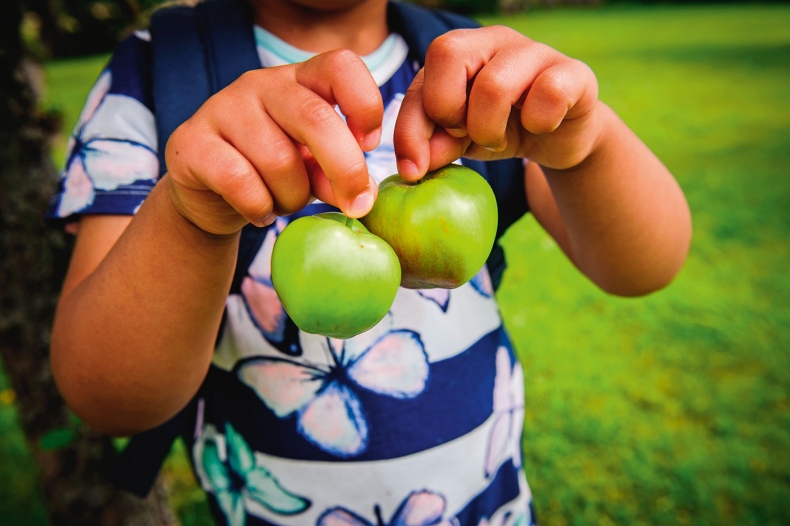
{"x":197,"y":51}
{"x":506,"y":178}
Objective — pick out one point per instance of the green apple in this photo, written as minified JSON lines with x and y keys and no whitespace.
{"x":333,"y":276}
{"x":442,"y":227}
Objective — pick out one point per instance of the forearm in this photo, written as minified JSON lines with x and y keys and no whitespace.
{"x":133,"y":340}
{"x":626,"y":221}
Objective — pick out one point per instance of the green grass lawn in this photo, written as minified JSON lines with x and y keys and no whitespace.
{"x":671,"y":409}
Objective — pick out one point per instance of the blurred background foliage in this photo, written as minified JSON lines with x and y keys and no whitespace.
{"x":670,"y":409}
{"x":70,"y":28}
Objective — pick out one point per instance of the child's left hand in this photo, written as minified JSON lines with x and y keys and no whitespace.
{"x":492,"y":93}
{"x":597,"y":189}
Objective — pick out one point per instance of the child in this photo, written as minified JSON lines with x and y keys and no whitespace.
{"x":417,"y":421}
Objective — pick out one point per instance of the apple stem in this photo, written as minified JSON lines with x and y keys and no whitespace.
{"x":349,"y":222}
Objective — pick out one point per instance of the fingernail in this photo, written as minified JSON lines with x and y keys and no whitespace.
{"x":408,"y":169}
{"x":362,"y":204}
{"x":458,"y":133}
{"x":374,"y":187}
{"x":371,"y":140}
{"x":498,"y":148}
{"x":271,"y":218}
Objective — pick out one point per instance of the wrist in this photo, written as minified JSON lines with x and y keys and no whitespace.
{"x":602,"y":123}
{"x":592,"y":132}
{"x":178,"y":216}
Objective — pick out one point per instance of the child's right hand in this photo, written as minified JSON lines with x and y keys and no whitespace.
{"x":272,"y":140}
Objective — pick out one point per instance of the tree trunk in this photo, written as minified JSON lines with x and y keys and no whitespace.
{"x":74,"y":462}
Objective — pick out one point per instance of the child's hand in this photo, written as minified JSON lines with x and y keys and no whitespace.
{"x":492,"y":93}
{"x":272,"y":140}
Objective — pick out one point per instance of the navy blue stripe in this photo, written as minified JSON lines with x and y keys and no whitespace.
{"x":503,"y":489}
{"x":457,"y":399}
{"x":253,"y":521}
{"x":123,"y":200}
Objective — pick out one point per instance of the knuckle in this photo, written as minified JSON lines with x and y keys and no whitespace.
{"x":539,"y":123}
{"x":173,"y":146}
{"x":357,"y":173}
{"x":249,"y":77}
{"x":360,"y":167}
{"x":183,"y":135}
{"x":586,"y":73}
{"x":446,"y":46}
{"x":583,"y":68}
{"x":492,"y":83}
{"x":180,"y":145}
{"x":342,"y":59}
{"x":281,"y":159}
{"x":244,"y":195}
{"x":370,"y":103}
{"x":218,"y":103}
{"x":509,"y":32}
{"x":552,"y":85}
{"x":542,"y":53}
{"x":243,"y":82}
{"x":447,"y":115}
{"x":235,"y":176}
{"x":541,"y":49}
{"x":239,"y":90}
{"x":316,"y":114}
{"x":294,"y":202}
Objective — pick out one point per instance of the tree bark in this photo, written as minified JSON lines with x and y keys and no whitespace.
{"x":74,"y":462}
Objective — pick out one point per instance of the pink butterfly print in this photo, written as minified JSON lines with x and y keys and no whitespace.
{"x":322,"y":395}
{"x":508,"y":413}
{"x":264,"y":306}
{"x":420,"y":508}
{"x":101,"y":163}
{"x":480,"y":282}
